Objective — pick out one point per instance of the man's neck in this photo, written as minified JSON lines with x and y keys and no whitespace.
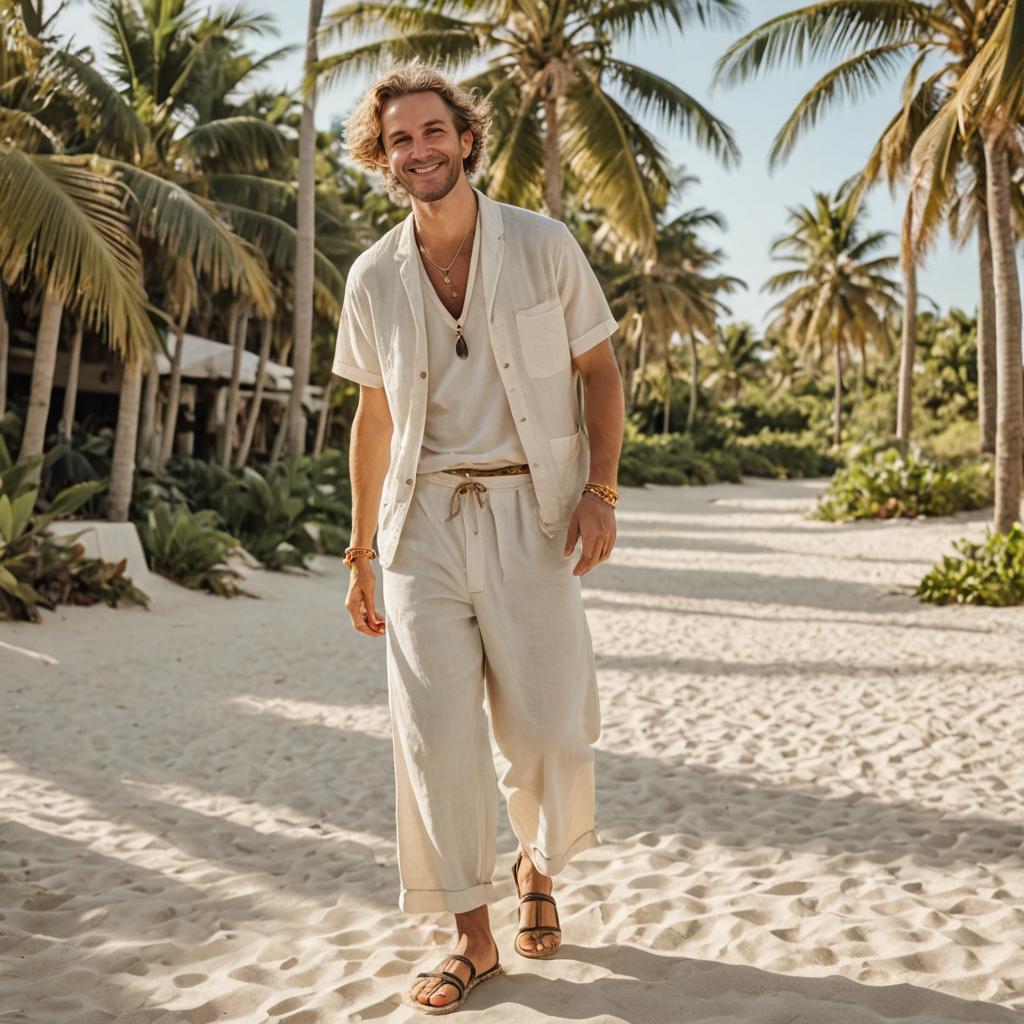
{"x":443,"y":224}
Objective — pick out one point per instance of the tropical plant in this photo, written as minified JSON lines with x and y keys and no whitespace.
{"x":884,"y":482}
{"x":40,"y":571}
{"x":988,"y":573}
{"x":676,"y":294}
{"x":866,"y":43}
{"x":837,"y":294}
{"x":987,"y":101}
{"x":188,"y":548}
{"x":556,"y":87}
{"x":67,"y":225}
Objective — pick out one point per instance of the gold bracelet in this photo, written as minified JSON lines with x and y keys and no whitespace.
{"x":352,"y":553}
{"x":605,"y":493}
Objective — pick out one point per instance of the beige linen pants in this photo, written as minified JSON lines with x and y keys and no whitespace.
{"x":481,"y":603}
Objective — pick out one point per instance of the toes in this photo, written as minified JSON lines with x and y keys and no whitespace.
{"x":443,"y":996}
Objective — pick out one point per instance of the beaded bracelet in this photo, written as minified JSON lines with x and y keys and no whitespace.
{"x":355,"y":552}
{"x":606,"y":494}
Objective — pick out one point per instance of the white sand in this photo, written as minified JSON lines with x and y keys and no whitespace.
{"x":810,"y":787}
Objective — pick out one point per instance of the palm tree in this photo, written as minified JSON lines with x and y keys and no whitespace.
{"x":552,"y":79}
{"x":988,"y":100}
{"x":676,"y":293}
{"x":67,"y":227}
{"x":164,"y":155}
{"x":867,"y":42}
{"x":303,"y":329}
{"x":739,"y":355}
{"x":837,"y":293}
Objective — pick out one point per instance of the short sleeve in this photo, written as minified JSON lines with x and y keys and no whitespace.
{"x":355,"y":351}
{"x":588,"y":318}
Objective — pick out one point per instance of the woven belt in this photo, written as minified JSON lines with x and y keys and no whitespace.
{"x":500,"y":471}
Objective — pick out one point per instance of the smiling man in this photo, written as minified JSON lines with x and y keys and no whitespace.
{"x":484,"y":449}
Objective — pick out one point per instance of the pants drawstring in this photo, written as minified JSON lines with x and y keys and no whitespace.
{"x":474,"y":552}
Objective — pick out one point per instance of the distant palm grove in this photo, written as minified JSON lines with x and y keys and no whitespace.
{"x":158,"y":201}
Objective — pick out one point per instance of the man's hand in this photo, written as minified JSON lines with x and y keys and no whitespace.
{"x":360,"y":599}
{"x":594,"y":521}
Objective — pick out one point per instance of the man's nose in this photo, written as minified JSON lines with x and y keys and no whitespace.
{"x":420,"y":148}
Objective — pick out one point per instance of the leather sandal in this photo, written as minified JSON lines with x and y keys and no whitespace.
{"x":464,"y":987}
{"x":542,"y":929}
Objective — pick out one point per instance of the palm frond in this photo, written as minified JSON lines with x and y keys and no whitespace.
{"x":124,"y":134}
{"x":677,"y":109}
{"x":246,"y":141}
{"x":849,"y":80}
{"x":455,"y":47}
{"x":822,"y":31}
{"x":69,"y":227}
{"x":191,"y":228}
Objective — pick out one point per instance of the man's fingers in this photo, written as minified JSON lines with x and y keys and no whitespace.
{"x":360,"y":608}
{"x":572,"y":534}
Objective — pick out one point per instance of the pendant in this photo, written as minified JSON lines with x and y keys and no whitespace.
{"x":461,"y":348}
{"x":447,"y":279}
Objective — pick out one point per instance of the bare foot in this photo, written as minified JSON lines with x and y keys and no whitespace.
{"x":536,"y":914}
{"x":476,"y":944}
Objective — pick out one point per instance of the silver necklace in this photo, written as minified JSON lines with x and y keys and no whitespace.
{"x":445,"y":270}
{"x":461,"y":348}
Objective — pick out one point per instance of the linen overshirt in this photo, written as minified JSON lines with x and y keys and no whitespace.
{"x":544,"y":306}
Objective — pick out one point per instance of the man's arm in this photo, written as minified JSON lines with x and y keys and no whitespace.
{"x":368,"y":461}
{"x":604,"y":410}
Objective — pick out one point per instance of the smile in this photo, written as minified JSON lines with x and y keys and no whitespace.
{"x":426,"y":170}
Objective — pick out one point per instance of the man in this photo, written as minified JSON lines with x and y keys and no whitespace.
{"x":469,"y":328}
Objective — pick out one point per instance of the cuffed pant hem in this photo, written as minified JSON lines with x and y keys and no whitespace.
{"x":437,"y":901}
{"x":553,"y":865}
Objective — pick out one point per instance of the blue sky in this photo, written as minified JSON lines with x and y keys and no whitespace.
{"x":753,"y":201}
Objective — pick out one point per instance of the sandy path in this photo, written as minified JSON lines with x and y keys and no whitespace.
{"x":810,"y":788}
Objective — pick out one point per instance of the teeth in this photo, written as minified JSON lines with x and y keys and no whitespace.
{"x":425,"y":170}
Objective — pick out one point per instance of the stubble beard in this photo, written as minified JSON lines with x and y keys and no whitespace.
{"x":431,"y":193}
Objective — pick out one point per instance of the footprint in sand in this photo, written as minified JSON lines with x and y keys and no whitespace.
{"x":189,"y":980}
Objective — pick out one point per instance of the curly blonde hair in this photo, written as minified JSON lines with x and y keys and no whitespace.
{"x":362,"y":128}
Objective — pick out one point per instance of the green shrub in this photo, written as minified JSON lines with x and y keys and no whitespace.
{"x":188,"y":548}
{"x":988,"y":573}
{"x":883,"y":481}
{"x":40,"y":571}
{"x":662,"y":459}
{"x":789,"y":456}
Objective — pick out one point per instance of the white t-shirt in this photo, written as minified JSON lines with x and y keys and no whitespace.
{"x":469,"y":421}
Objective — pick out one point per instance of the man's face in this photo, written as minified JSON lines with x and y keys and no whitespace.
{"x":421,"y":146}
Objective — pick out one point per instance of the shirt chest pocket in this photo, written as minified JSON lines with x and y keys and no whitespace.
{"x":543,"y":337}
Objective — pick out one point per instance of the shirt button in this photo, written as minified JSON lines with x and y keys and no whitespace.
{"x":522,"y":419}
{"x":409,"y":481}
{"x":536,"y":463}
{"x":505,"y":365}
{"x":423,"y":373}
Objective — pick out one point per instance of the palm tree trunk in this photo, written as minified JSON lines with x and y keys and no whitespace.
{"x":5,"y":347}
{"x":305,"y":241}
{"x":837,"y":397}
{"x":691,"y":413}
{"x":553,"y":185}
{"x":238,"y":330}
{"x":122,"y":466}
{"x":325,"y":415}
{"x":908,"y":340}
{"x":34,"y":437}
{"x":173,"y":389}
{"x":667,"y":407}
{"x":282,"y":434}
{"x":67,"y":418}
{"x":145,"y":453}
{"x":1009,"y":467}
{"x":986,"y":341}
{"x":257,"y":398}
